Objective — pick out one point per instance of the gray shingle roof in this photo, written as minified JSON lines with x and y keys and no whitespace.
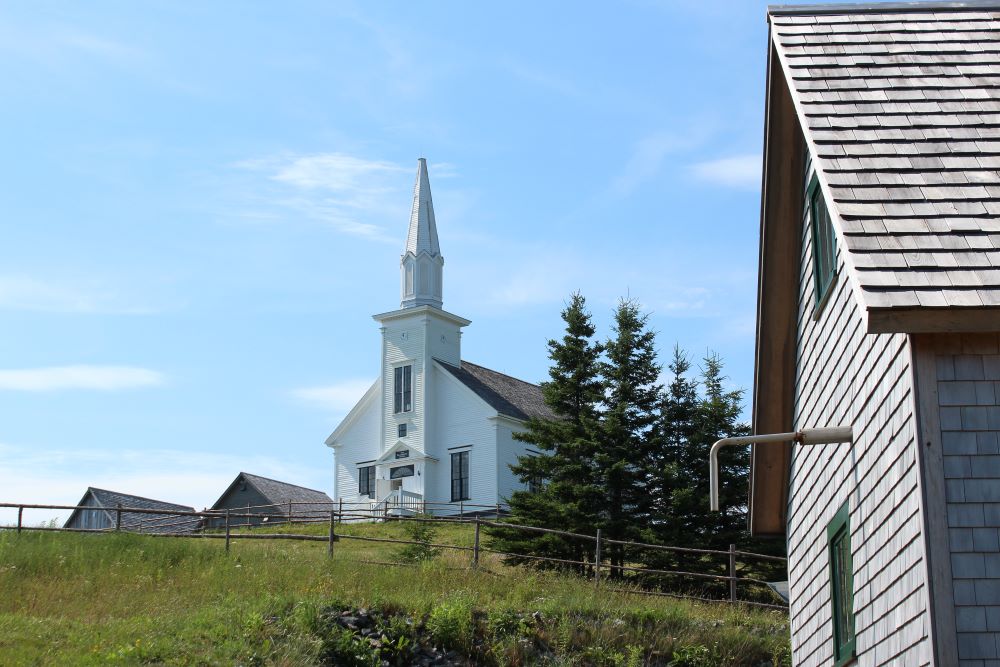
{"x":148,"y":523}
{"x":901,"y":112}
{"x":507,"y":395}
{"x":281,"y":493}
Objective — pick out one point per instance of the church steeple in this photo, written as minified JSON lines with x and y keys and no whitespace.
{"x":421,"y":265}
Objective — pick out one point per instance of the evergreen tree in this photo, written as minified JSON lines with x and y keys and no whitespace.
{"x":629,"y":441}
{"x":566,"y":493}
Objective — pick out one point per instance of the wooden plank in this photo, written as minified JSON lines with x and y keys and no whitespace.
{"x":777,"y":300}
{"x":933,"y":500}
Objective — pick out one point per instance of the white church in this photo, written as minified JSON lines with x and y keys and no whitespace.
{"x":432,"y":429}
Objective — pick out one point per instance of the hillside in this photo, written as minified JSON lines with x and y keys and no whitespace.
{"x":129,"y":599}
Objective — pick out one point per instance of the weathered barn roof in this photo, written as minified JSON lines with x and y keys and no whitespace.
{"x":281,"y":493}
{"x":149,"y":523}
{"x":900,"y":107}
{"x":505,"y":394}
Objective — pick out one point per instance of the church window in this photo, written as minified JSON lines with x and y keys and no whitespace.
{"x":401,"y":430}
{"x":402,"y":398}
{"x":824,"y":242}
{"x":401,"y":471}
{"x":460,"y":476}
{"x":366,"y":481}
{"x":841,"y":586}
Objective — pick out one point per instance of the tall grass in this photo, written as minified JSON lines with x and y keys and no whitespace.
{"x":130,"y":599}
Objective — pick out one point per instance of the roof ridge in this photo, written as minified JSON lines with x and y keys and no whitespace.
{"x":132,"y":495}
{"x":882,"y":7}
{"x":278,"y":481}
{"x":533,"y":384}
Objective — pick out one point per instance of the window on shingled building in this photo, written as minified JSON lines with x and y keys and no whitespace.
{"x":824,"y":241}
{"x":841,"y":586}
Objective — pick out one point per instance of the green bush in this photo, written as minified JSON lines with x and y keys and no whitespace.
{"x":423,"y":533}
{"x":450,"y":623}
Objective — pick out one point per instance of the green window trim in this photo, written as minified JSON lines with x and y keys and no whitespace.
{"x":824,"y":243}
{"x":838,"y":534}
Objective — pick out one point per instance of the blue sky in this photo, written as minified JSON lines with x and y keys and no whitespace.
{"x":202,"y":204}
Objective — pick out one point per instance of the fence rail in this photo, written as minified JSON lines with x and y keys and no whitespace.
{"x":337,"y":513}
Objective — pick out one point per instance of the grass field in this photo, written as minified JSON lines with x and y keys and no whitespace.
{"x":68,"y":599}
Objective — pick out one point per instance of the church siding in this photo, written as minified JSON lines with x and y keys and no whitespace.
{"x":357,"y":444}
{"x":464,"y":421}
{"x":404,"y":341}
{"x":847,"y":376}
{"x":508,"y":452}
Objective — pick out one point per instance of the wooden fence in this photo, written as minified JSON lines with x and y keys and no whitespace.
{"x":208,"y":521}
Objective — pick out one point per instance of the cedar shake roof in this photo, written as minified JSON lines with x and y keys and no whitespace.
{"x":900,"y":107}
{"x":281,"y":493}
{"x":149,"y":523}
{"x":507,"y":395}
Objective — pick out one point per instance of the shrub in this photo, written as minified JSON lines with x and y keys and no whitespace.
{"x":423,"y":533}
{"x":450,"y":624}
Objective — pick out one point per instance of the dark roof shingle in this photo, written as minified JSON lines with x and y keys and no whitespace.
{"x":148,"y":523}
{"x":505,"y":394}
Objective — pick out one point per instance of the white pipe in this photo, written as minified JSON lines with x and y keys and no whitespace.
{"x":809,"y":436}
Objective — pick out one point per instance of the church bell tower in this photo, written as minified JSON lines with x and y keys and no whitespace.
{"x":421,"y":265}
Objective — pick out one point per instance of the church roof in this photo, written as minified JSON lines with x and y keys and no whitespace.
{"x":150,"y":523}
{"x":423,"y":234}
{"x":507,"y":395}
{"x":900,"y":108}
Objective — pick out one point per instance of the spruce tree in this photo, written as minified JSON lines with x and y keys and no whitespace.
{"x":566,"y":494}
{"x":629,"y":441}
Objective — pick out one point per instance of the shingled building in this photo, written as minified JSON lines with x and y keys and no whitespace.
{"x":102,"y":513}
{"x":879,"y":307}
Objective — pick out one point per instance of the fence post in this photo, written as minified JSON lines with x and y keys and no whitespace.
{"x":227,"y":531}
{"x":20,"y":515}
{"x":118,"y":517}
{"x":329,"y":546}
{"x":732,"y":573}
{"x":341,"y":514}
{"x":475,"y":547}
{"x":498,"y":512}
{"x":597,"y":561}
{"x":289,"y":512}
{"x":461,"y":509}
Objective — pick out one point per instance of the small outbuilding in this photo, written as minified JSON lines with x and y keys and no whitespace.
{"x":258,"y":495}
{"x":879,"y":311}
{"x":104,"y":514}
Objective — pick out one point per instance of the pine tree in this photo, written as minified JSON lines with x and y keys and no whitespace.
{"x":567,"y":494}
{"x":628,"y":437}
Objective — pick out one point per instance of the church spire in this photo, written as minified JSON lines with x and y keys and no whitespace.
{"x":421,"y":264}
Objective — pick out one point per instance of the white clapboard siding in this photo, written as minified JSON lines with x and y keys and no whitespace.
{"x":845,"y":376}
{"x":404,"y":340}
{"x":508,"y":452}
{"x":968,"y":379}
{"x":358,"y":442}
{"x":462,"y":420}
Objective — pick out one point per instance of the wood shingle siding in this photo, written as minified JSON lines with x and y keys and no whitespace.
{"x":967,"y":374}
{"x":845,"y":375}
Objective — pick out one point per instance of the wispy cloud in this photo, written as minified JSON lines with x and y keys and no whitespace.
{"x":649,"y":155}
{"x":96,"y":378}
{"x":337,"y":398}
{"x":24,"y":293}
{"x":736,"y":171}
{"x":354,"y":195}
